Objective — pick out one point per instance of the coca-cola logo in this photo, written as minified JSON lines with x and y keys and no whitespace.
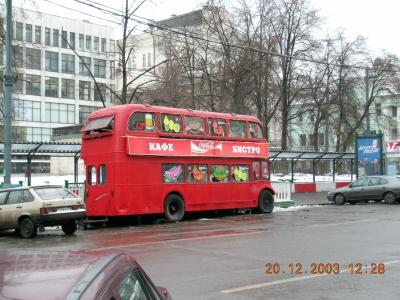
{"x":206,"y":145}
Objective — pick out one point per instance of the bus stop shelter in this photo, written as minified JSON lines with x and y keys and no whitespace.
{"x":30,"y":149}
{"x":315,"y":157}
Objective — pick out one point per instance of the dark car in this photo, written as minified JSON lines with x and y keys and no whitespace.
{"x":74,"y":275}
{"x":368,"y":188}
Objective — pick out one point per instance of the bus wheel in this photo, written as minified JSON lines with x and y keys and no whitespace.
{"x":174,"y":208}
{"x":265,"y":202}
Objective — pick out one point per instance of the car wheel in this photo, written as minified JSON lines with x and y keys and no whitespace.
{"x":389,"y":198}
{"x":265,"y":202}
{"x":69,"y":228}
{"x":27,"y":229}
{"x":339,"y":199}
{"x":174,"y":208}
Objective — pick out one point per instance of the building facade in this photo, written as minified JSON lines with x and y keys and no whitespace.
{"x":53,"y":87}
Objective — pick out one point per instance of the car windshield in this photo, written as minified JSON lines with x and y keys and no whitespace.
{"x":51,"y":193}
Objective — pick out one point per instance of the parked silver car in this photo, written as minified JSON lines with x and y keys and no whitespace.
{"x":29,"y":208}
{"x":375,"y":188}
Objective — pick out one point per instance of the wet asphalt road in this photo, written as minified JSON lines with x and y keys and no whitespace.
{"x":226,"y":257}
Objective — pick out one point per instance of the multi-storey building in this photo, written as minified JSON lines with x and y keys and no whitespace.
{"x":53,"y":87}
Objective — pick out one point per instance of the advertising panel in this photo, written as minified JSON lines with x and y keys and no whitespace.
{"x":369,"y":155}
{"x":205,"y":148}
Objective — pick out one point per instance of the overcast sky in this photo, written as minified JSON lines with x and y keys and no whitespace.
{"x":377,"y":20}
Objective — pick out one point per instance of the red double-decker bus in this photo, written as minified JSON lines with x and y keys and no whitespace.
{"x":143,"y":159}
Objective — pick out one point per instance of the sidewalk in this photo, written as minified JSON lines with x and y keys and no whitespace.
{"x":310,"y":198}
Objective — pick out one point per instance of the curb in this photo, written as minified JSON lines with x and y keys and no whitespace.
{"x":284,"y":203}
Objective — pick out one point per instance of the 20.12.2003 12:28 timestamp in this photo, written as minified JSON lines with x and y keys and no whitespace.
{"x":273,"y":268}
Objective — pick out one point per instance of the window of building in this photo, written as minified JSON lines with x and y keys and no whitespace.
{"x":141,"y":121}
{"x":18,"y":56}
{"x":149,"y":59}
{"x":255,"y":130}
{"x":18,"y":31}
{"x":51,"y":87}
{"x":311,"y":140}
{"x":303,"y":140}
{"x":56,"y":36}
{"x":99,"y":68}
{"x":72,"y":40}
{"x":133,"y":58}
{"x":394,"y":133}
{"x":321,"y":139}
{"x":102,"y":174}
{"x":240,"y":173}
{"x":60,"y":113}
{"x":68,"y":63}
{"x":68,"y":88}
{"x":237,"y":129}
{"x":33,"y":85}
{"x":112,"y":46}
{"x":51,"y":60}
{"x":81,"y":41}
{"x":112,"y":69}
{"x":101,"y":88}
{"x":1,"y":54}
{"x":84,"y":90}
{"x":216,"y":127}
{"x":47,"y":36}
{"x":394,"y":111}
{"x":219,"y":173}
{"x":194,"y":126}
{"x":144,"y":61}
{"x":171,"y":123}
{"x":197,"y":173}
{"x":88,"y":42}
{"x":96,"y":44}
{"x":103,"y":45}
{"x":30,"y":134}
{"x":28,"y":33}
{"x":378,"y":108}
{"x":84,"y":70}
{"x":26,"y":110}
{"x":33,"y":59}
{"x":18,"y":85}
{"x":38,"y":35}
{"x":85,"y":111}
{"x":64,"y":39}
{"x":172,"y":173}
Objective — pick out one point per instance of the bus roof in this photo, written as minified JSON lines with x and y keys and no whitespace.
{"x":129,"y":108}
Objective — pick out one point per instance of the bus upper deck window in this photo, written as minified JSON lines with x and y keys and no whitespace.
{"x":237,"y":129}
{"x":99,"y":125}
{"x":194,"y":125}
{"x":216,"y":127}
{"x":142,"y":121}
{"x":171,"y":123}
{"x":255,"y":131}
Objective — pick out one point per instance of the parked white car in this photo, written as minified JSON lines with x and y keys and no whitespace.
{"x":28,"y":208}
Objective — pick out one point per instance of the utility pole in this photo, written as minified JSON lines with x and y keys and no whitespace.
{"x":367,"y":98}
{"x":8,"y":87}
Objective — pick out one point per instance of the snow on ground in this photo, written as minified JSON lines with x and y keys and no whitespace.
{"x":295,"y":208}
{"x":46,"y":179}
{"x":304,"y":177}
{"x":39,"y":179}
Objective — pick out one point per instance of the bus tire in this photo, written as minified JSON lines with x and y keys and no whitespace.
{"x":174,"y":208}
{"x":265,"y":202}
